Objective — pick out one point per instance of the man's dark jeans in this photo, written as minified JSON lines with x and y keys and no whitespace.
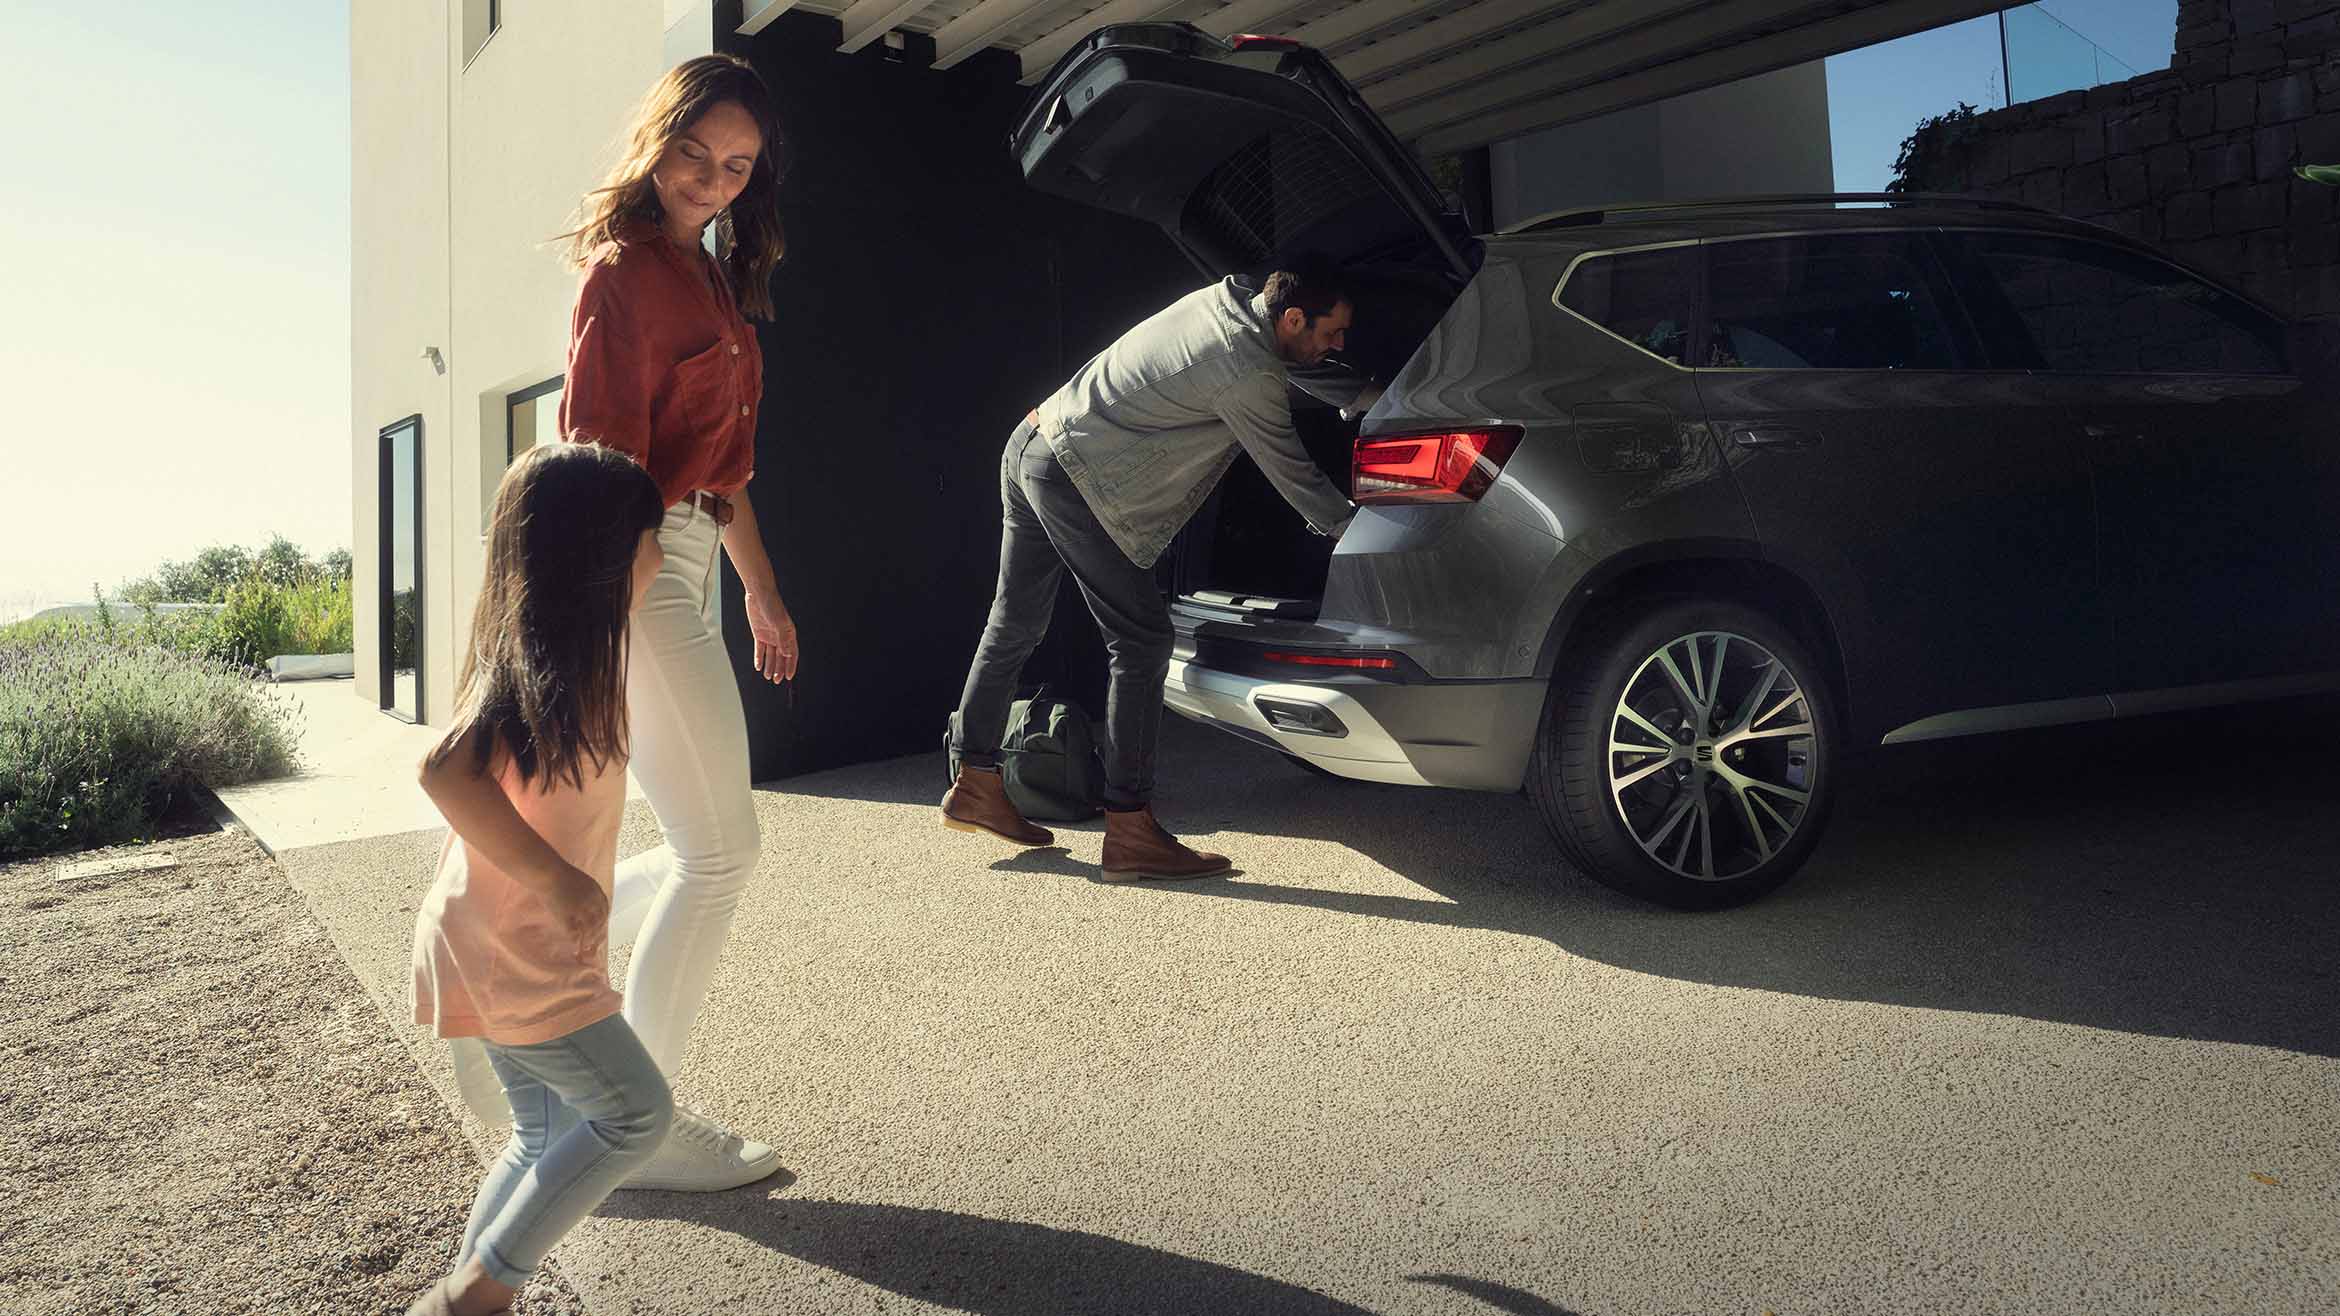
{"x":1045,"y":527}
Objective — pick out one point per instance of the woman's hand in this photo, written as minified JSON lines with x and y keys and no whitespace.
{"x":582,"y":906}
{"x":775,"y":633}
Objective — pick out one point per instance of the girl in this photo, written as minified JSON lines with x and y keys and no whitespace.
{"x":663,"y":366}
{"x":511,"y":945}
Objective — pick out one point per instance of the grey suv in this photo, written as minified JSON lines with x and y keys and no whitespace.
{"x":1668,"y":508}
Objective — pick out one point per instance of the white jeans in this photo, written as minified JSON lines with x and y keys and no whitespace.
{"x":690,"y":752}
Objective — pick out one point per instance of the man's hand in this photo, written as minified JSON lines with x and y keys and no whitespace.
{"x":1364,"y":402}
{"x":775,"y":635}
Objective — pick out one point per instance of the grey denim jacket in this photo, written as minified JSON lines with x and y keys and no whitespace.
{"x":1146,"y":428}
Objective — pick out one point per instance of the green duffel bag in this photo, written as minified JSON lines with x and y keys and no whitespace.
{"x":1048,"y":759}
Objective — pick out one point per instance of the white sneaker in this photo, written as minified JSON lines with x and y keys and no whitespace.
{"x":701,"y":1156}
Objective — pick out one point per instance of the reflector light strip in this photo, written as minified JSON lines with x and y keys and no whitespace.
{"x":1332,"y":660}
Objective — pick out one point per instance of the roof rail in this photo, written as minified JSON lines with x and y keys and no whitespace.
{"x":1639,"y":209}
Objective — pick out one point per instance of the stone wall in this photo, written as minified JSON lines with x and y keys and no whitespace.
{"x":2196,"y":159}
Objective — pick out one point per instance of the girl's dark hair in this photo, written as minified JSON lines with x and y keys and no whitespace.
{"x":749,"y":240}
{"x":546,"y":675}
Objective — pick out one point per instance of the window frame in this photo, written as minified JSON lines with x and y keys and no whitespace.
{"x":1696,"y":344}
{"x":386,"y":582}
{"x":495,"y":24}
{"x":514,"y":400}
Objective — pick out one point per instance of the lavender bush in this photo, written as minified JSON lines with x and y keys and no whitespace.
{"x":99,"y":728}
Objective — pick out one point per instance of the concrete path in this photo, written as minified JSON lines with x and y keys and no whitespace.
{"x":2048,"y":1026}
{"x":356,"y":779}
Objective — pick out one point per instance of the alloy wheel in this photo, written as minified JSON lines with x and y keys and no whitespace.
{"x":1712,"y":755}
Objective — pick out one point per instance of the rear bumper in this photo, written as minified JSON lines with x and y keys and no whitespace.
{"x":1468,"y":735}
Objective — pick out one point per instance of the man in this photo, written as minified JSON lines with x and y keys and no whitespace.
{"x":1098,"y":480}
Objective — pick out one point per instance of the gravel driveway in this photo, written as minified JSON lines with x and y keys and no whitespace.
{"x":200,"y":1109}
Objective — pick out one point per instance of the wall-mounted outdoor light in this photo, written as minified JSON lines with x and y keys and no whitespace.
{"x":438,"y":362}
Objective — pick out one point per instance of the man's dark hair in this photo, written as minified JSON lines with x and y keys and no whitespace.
{"x":1315,"y":286}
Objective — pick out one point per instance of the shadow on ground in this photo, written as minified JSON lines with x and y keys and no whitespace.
{"x":2174,"y":876}
{"x":1007,"y":1268}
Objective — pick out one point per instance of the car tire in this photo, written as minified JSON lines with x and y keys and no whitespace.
{"x":1737,"y":796}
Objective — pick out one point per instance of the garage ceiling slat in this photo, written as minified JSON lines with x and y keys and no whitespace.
{"x":1810,"y":41}
{"x":1249,"y":16}
{"x":868,"y":20}
{"x":1444,"y":74}
{"x":1041,"y":55}
{"x":1477,"y":23}
{"x":1362,"y":19}
{"x":762,"y":18}
{"x":1589,"y":43}
{"x":972,"y":31}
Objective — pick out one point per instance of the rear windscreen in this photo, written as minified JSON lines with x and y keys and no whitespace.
{"x":1289,"y":191}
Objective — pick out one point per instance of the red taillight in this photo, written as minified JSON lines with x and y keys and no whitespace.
{"x":1374,"y":663}
{"x":1254,"y":41}
{"x":1451,"y":466}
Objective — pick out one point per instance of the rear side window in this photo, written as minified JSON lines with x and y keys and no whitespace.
{"x":1644,"y":297}
{"x":1855,"y":301}
{"x":2064,"y":304}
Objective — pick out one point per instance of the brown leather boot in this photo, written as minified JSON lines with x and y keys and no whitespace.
{"x":979,"y":802}
{"x":1137,"y":847}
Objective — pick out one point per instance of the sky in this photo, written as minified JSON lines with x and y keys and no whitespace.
{"x":1876,"y":95}
{"x":174,"y":348}
{"x":174,"y":342}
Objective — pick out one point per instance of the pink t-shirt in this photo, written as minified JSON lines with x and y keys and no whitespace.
{"x":491,"y":959}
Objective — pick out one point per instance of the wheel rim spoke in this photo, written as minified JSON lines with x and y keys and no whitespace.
{"x":1674,"y":673}
{"x":1673,"y":819}
{"x":1624,"y":783}
{"x":1756,"y":696}
{"x":1754,"y":824}
{"x":1784,"y":792}
{"x":1774,"y":733}
{"x":1665,"y":743}
{"x":1705,"y":837}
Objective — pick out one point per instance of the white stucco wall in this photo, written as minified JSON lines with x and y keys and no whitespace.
{"x":1761,"y":134}
{"x":462,"y":176}
{"x":399,"y":76}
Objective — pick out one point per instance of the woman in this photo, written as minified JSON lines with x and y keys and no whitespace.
{"x":663,"y":366}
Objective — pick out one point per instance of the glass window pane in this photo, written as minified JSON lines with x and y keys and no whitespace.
{"x":2090,"y":307}
{"x":402,"y":571}
{"x":534,"y":417}
{"x":1643,"y":297}
{"x":1860,"y":301}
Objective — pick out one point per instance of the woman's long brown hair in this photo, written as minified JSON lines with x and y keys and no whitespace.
{"x":545,"y":680}
{"x":749,"y":241}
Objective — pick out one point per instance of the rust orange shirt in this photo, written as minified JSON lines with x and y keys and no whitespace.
{"x":663,"y":367}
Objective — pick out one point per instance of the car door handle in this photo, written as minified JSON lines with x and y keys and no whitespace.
{"x":2109,"y":432}
{"x":1774,"y":436}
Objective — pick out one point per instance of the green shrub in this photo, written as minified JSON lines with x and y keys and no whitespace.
{"x":263,"y":619}
{"x":256,"y":622}
{"x":99,"y":730}
{"x":324,"y":618}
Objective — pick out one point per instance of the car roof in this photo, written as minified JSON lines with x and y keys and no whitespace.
{"x":1646,"y":224}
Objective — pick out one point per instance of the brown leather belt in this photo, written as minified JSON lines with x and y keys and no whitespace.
{"x":716,"y":506}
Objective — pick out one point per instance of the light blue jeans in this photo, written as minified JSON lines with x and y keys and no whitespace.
{"x":588,"y":1110}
